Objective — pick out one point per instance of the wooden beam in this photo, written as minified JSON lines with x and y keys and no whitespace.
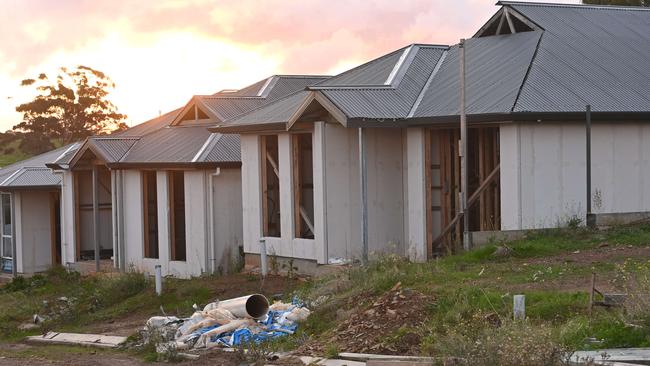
{"x":95,"y":177}
{"x":510,"y":23}
{"x":470,"y":202}
{"x":501,"y":21}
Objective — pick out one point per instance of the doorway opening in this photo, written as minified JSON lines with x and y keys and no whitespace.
{"x":443,"y":179}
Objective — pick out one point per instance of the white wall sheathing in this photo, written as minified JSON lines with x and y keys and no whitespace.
{"x":34,"y":247}
{"x":543,"y":181}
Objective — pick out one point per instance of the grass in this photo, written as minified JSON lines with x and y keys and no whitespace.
{"x":466,"y":289}
{"x":471,"y":286}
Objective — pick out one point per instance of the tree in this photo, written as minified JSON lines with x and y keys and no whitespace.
{"x":645,"y":3}
{"x":69,"y":108}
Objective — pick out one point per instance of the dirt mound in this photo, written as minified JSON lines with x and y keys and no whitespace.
{"x":387,"y":326}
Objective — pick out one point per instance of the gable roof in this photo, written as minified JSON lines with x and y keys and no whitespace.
{"x":595,"y":55}
{"x":559,"y":59}
{"x":386,"y":87}
{"x":33,"y":172}
{"x":160,"y":143}
{"x":223,"y":106}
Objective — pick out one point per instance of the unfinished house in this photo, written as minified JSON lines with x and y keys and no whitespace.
{"x":385,"y":139}
{"x":30,"y":215}
{"x":166,"y":192}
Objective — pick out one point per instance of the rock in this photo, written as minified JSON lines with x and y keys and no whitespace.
{"x":502,"y":251}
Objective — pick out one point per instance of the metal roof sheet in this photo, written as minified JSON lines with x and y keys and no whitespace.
{"x":594,"y":55}
{"x":33,"y":171}
{"x":374,"y":72}
{"x":113,"y":148}
{"x":149,"y":126}
{"x":225,"y":148}
{"x":392,"y":102}
{"x":496,"y":67}
{"x":230,"y":105}
{"x":32,"y":177}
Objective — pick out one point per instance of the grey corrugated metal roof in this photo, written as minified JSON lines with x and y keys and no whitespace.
{"x":393,"y":102}
{"x":113,"y":148}
{"x":32,"y":177}
{"x":229,"y":105}
{"x":149,"y":126}
{"x":374,"y":72}
{"x":33,"y":171}
{"x":224,"y":148}
{"x":409,"y":68}
{"x":278,"y":112}
{"x":588,"y":55}
{"x":66,"y":155}
{"x":496,"y":67}
{"x":168,"y":145}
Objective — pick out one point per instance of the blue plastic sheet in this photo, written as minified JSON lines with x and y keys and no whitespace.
{"x":274,"y":325}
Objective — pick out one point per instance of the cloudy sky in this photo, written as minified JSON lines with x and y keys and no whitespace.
{"x":161,"y":52}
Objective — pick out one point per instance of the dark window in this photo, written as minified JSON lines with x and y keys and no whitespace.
{"x":150,"y":213}
{"x":270,"y":186}
{"x":303,"y":186}
{"x":177,"y":212}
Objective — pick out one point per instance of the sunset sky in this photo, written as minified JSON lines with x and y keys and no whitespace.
{"x":161,"y":52}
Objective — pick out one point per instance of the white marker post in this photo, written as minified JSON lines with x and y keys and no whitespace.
{"x":519,"y":307}
{"x":158,"y":279}
{"x":264,"y":266}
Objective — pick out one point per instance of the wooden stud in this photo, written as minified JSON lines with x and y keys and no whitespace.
{"x":77,"y":216}
{"x":428,"y":193}
{"x":297,"y":184}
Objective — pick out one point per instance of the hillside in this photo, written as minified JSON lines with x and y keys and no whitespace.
{"x":458,"y":307}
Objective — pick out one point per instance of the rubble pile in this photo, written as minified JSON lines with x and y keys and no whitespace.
{"x":387,"y":326}
{"x":228,"y":323}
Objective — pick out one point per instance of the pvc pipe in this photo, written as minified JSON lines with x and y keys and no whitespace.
{"x":263,"y":258}
{"x":252,"y":306}
{"x":158,"y":279}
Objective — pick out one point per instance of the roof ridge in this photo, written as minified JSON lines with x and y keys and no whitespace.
{"x":530,"y":66}
{"x":426,"y":85}
{"x":579,"y":6}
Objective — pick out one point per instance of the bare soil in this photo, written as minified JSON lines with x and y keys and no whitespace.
{"x":386,"y":326}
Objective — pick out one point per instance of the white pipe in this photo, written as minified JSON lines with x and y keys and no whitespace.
{"x":263,"y":259}
{"x":252,"y":306}
{"x":158,"y":279}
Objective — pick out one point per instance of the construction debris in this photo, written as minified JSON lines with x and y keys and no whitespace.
{"x":227,"y":323}
{"x":94,"y":340}
{"x":372,"y":329}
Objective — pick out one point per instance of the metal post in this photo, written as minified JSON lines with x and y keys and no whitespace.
{"x":158,"y":270}
{"x":463,"y":150}
{"x":96,"y":216}
{"x":588,"y":162}
{"x":363,"y":175}
{"x":263,"y":260}
{"x":14,"y":256}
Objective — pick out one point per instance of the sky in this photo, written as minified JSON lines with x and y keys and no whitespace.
{"x":161,"y":52}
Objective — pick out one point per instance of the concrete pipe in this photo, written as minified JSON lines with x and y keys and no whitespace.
{"x":252,"y":306}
